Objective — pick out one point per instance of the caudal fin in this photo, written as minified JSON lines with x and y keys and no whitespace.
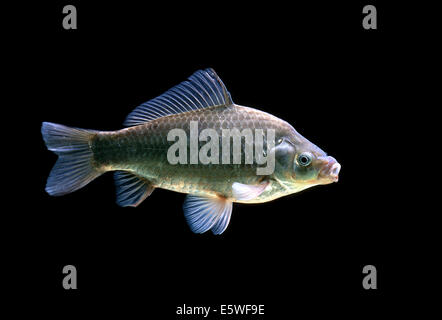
{"x":73,"y":169}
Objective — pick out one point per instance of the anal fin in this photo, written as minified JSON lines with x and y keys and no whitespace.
{"x":131,"y":189}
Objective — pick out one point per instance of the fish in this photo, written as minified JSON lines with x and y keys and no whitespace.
{"x":173,"y":142}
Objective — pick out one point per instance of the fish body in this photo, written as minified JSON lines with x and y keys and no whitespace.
{"x":143,"y":150}
{"x":199,"y":110}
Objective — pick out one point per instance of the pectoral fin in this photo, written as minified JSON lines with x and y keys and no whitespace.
{"x":244,"y":192}
{"x":203,"y":213}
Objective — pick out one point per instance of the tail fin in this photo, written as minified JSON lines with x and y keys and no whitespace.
{"x":73,"y":169}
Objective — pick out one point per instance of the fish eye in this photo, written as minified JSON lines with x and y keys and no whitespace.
{"x":304,"y":159}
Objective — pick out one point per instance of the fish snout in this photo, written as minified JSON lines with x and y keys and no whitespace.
{"x":330,"y":170}
{"x":334,"y":171}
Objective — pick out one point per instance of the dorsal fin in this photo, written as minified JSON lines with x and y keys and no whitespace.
{"x":201,"y":90}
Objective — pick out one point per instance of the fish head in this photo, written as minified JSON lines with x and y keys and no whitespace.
{"x":301,"y":164}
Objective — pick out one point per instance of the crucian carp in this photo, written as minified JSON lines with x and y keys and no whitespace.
{"x":181,"y":141}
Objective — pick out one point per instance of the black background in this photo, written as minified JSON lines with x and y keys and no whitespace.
{"x":312,"y":64}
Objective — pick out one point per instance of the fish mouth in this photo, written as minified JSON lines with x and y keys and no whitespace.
{"x":330,"y":170}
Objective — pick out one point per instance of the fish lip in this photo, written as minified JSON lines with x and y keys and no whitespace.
{"x":330,"y":170}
